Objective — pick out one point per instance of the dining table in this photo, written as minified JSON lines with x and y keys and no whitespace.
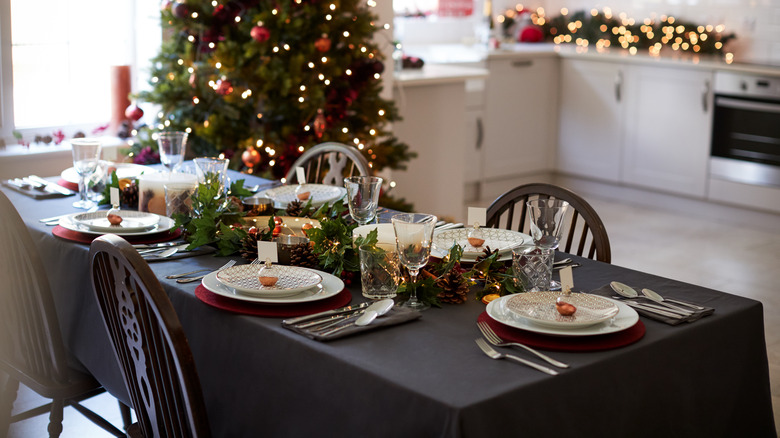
{"x":427,"y":377}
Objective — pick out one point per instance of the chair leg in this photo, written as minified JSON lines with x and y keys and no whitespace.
{"x":127,"y":419}
{"x":10,"y":389}
{"x":55,"y":418}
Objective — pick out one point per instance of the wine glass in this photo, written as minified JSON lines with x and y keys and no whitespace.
{"x":547,"y":224}
{"x":363,"y":197}
{"x":173,"y":146}
{"x":86,"y":154}
{"x":413,"y":238}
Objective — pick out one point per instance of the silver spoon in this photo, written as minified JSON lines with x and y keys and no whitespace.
{"x":562,"y":262}
{"x":624,"y":290}
{"x":660,"y":300}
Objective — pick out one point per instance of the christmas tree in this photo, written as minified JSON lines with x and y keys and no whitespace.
{"x":266,"y":80}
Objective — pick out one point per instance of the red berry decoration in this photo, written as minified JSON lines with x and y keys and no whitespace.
{"x":224,"y":87}
{"x":322,"y":44}
{"x":134,"y":113}
{"x":260,"y":34}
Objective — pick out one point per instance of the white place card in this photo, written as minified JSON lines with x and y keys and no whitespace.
{"x":300,"y":174}
{"x":567,"y":279}
{"x":267,"y":250}
{"x":476,"y":215}
{"x":114,"y":194}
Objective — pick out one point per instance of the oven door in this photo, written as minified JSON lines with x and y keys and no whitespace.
{"x":746,"y":140}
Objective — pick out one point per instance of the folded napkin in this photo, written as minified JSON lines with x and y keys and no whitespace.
{"x":607,"y":291}
{"x":396,"y":315}
{"x":32,"y":192}
{"x":181,"y":254}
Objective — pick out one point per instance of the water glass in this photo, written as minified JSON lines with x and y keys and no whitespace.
{"x":532,"y":266}
{"x":363,"y":197}
{"x":380,"y":272}
{"x":172,"y":146}
{"x":547,"y":221}
{"x":413,"y":239}
{"x":212,"y":169}
{"x":86,"y":155}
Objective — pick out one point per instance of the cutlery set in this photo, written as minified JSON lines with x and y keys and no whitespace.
{"x":494,"y":339}
{"x":333,"y":321}
{"x":658,"y":305}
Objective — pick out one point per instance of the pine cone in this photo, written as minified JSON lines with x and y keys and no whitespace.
{"x":294,"y":208}
{"x":129,"y":195}
{"x":455,"y":287}
{"x":249,"y":247}
{"x":302,"y":255}
{"x":486,"y":252}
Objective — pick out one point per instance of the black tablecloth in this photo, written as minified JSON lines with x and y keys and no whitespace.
{"x":427,"y":378}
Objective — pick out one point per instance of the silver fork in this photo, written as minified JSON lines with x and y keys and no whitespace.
{"x":200,"y":277}
{"x":494,"y":339}
{"x":493,"y":354}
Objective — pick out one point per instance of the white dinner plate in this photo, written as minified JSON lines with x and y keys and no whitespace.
{"x":123,"y":170}
{"x":290,"y":280}
{"x":625,"y":318}
{"x":164,"y":224}
{"x":132,"y":221}
{"x":540,"y":308}
{"x":495,"y":238}
{"x":319,"y":194}
{"x":330,"y":286}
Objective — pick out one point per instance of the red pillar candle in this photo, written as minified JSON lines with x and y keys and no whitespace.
{"x":120,"y":95}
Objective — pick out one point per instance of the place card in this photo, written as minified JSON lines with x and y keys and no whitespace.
{"x":114,"y":196}
{"x":300,"y":174}
{"x":267,"y":250}
{"x":476,"y":215}
{"x":567,"y":279}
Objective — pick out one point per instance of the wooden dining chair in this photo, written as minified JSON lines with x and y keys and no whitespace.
{"x":32,"y":351}
{"x":585,"y":234}
{"x":329,"y":163}
{"x":149,"y":343}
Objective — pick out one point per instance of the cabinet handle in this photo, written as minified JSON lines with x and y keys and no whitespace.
{"x":618,"y":85}
{"x":705,"y":96}
{"x":480,"y":133}
{"x":526,"y":63}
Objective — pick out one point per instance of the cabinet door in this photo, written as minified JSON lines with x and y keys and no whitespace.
{"x":590,"y":132}
{"x":520,"y":116}
{"x":668,"y":129}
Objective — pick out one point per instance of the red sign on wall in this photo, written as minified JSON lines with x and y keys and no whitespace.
{"x":455,"y":8}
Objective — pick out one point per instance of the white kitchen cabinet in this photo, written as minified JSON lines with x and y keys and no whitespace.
{"x":668,"y":129}
{"x":590,"y":133}
{"x":520,"y":116}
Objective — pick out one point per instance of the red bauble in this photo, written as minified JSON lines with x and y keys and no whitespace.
{"x":134,"y":113}
{"x":224,"y":87}
{"x":260,"y":34}
{"x":180,"y":10}
{"x":250,"y":157}
{"x":322,"y":44}
{"x":531,"y":34}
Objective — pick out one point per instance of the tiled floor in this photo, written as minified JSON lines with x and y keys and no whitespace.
{"x":733,"y":258}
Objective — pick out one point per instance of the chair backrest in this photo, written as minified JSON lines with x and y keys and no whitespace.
{"x":509,"y":211}
{"x":149,"y":342}
{"x":329,"y":163}
{"x":31,"y":347}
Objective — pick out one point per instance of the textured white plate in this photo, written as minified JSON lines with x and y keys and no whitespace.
{"x":495,"y":238}
{"x":539,"y":308}
{"x":319,"y":194}
{"x":330,"y":286}
{"x":123,"y":170}
{"x":132,"y":221}
{"x":625,"y":318}
{"x":291,"y":280}
{"x":164,"y":224}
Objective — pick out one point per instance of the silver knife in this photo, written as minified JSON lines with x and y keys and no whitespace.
{"x":326,"y":313}
{"x":51,"y":186}
{"x":158,"y":245}
{"x":648,"y":308}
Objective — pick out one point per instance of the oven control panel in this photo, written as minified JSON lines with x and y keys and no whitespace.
{"x":741,"y":84}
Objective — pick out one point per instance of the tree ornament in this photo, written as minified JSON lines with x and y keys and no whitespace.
{"x":180,"y":10}
{"x":134,"y":113}
{"x":319,"y":123}
{"x":260,"y":34}
{"x":323,"y":43}
{"x":193,"y":79}
{"x":250,"y":157}
{"x":224,"y":87}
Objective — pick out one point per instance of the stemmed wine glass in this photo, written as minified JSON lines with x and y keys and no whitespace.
{"x":363,"y":197}
{"x":413,"y":237}
{"x":86,"y":154}
{"x":173,"y":146}
{"x":547,"y":224}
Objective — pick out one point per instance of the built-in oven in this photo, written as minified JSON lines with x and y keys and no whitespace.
{"x":746,"y":129}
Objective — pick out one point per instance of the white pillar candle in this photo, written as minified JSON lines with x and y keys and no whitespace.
{"x":385,"y":235}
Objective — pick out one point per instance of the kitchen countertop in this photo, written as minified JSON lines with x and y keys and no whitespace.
{"x":432,"y":74}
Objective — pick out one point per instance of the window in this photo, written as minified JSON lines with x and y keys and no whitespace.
{"x":61,"y":53}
